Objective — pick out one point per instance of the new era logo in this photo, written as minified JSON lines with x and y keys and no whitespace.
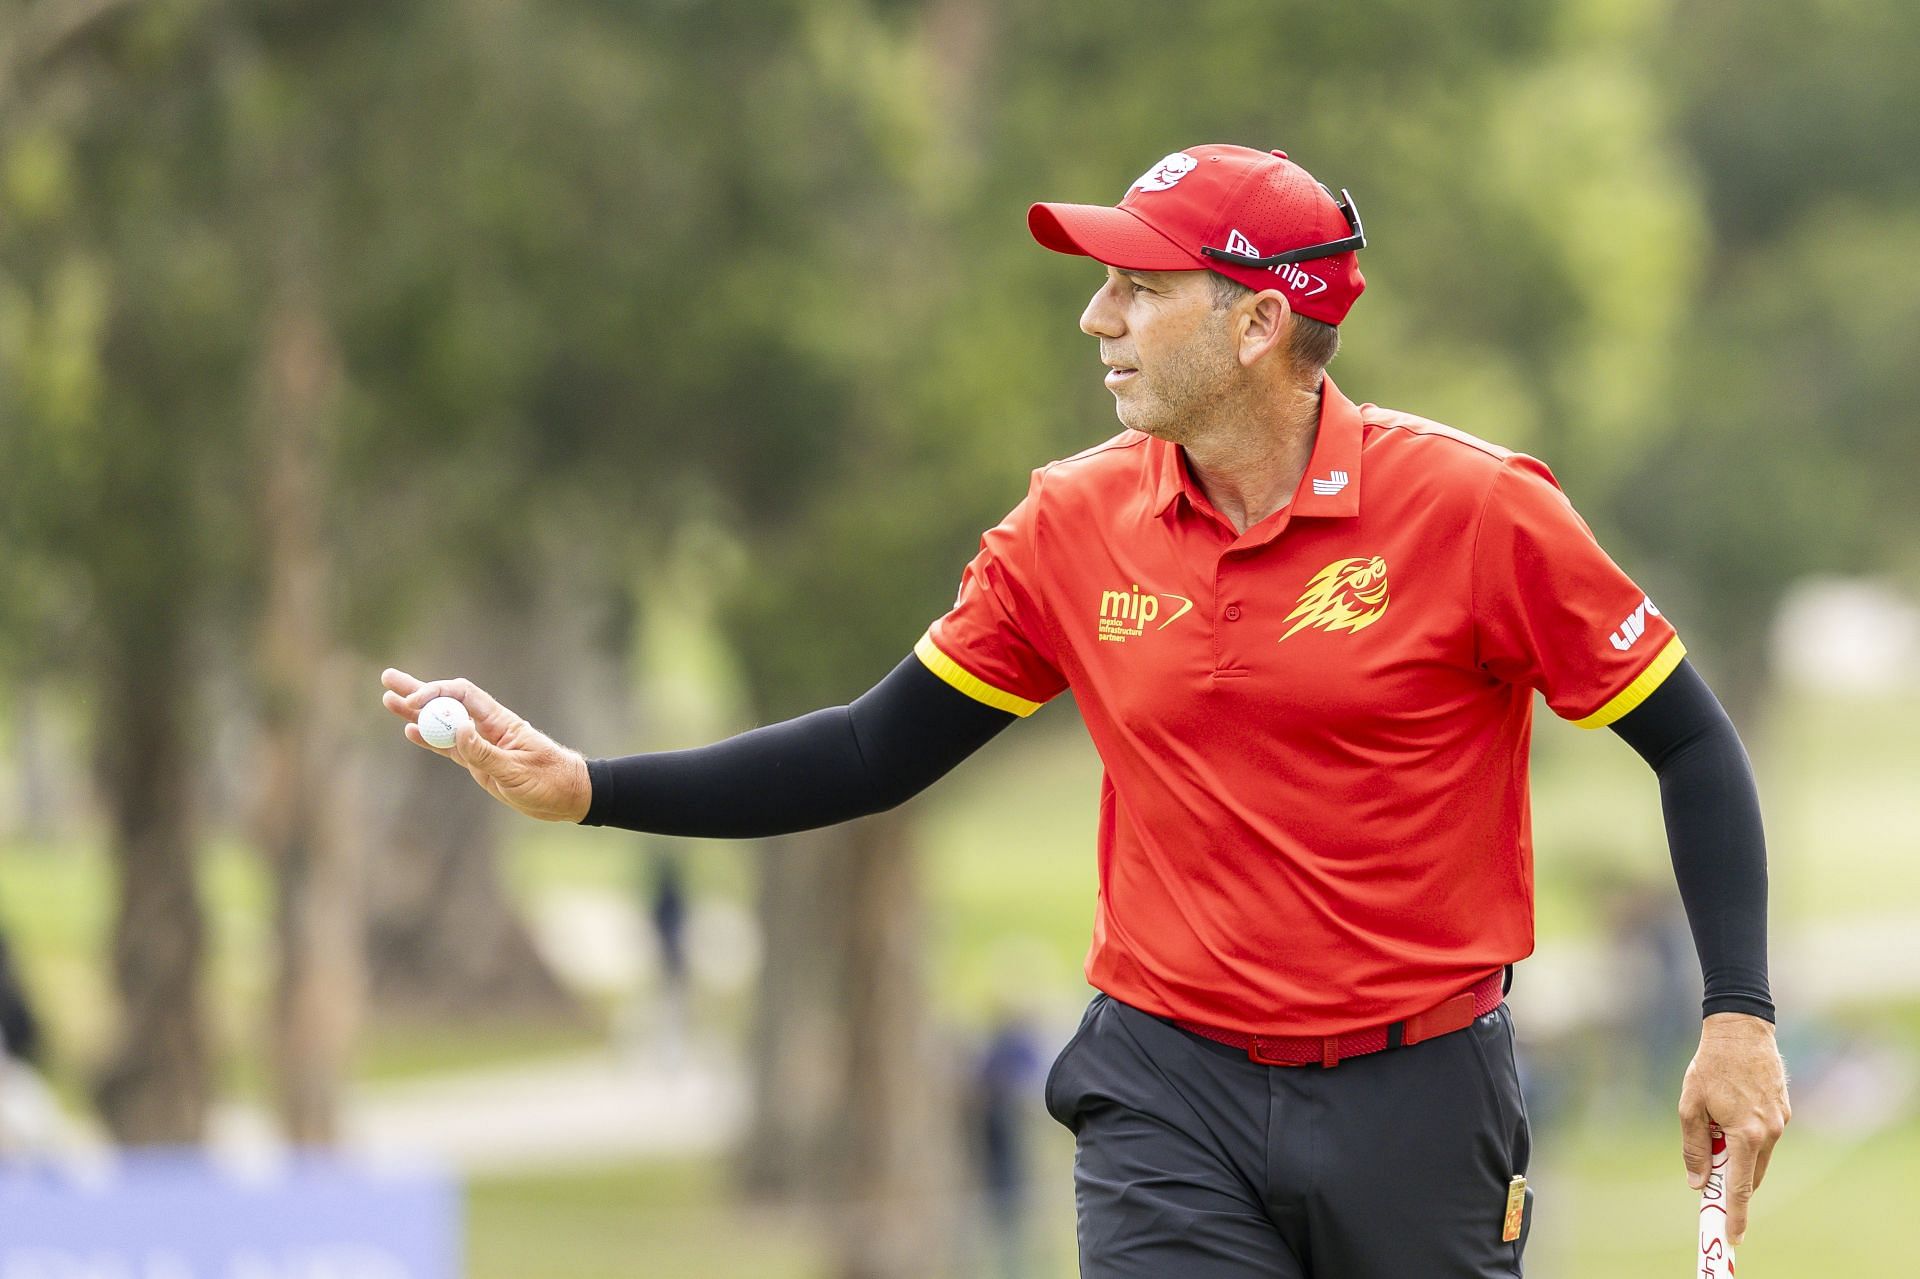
{"x":1335,"y":481}
{"x":1237,"y":243}
{"x":1308,"y":284}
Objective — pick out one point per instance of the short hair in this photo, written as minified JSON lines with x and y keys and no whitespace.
{"x":1311,"y":344}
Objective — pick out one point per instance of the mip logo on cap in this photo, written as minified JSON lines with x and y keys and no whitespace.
{"x":1166,"y":173}
{"x":1306,"y":282}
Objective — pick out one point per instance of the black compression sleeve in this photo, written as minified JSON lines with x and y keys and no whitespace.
{"x":894,"y":741}
{"x":1713,"y":832}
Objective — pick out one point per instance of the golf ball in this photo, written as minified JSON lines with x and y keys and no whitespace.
{"x":440,"y":719}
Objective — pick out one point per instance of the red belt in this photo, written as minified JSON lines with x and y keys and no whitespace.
{"x":1330,"y":1050}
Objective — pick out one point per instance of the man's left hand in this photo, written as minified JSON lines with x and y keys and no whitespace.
{"x":1737,"y":1081}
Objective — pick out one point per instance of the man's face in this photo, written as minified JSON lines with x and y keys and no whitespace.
{"x":1167,"y":345}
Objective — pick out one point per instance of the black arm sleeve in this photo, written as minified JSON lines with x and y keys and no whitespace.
{"x":1713,"y":832}
{"x":894,"y":741}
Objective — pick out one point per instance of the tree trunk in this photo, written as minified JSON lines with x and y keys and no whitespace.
{"x":853,"y":1110}
{"x":155,"y":1087}
{"x":305,"y":815}
{"x":798,"y":1042}
{"x":33,"y":757}
{"x":443,"y":939}
{"x":899,"y":1112}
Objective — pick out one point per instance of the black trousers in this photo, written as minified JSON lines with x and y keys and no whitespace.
{"x":1195,"y":1162}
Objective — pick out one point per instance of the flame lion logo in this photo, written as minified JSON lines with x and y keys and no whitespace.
{"x":1346,"y":595}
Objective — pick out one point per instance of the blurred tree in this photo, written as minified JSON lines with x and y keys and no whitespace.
{"x":1788,"y":448}
{"x":308,"y":817}
{"x":176,"y":186}
{"x":352,"y":327}
{"x":124,"y":360}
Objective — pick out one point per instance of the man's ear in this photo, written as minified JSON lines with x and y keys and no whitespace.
{"x":1262,"y":325}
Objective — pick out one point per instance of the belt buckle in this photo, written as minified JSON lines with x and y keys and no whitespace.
{"x":1329,"y":1052}
{"x":1258,"y":1051}
{"x":1441,"y":1019}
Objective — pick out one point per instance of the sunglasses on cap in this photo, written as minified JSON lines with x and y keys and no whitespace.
{"x":1358,"y":240}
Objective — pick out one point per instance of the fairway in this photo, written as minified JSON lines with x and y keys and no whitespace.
{"x":1611,"y":1203}
{"x":1008,"y":843}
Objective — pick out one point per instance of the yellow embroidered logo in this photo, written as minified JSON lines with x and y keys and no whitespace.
{"x":1125,"y":615}
{"x":1346,"y":595}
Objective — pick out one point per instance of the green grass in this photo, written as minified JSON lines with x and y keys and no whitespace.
{"x":661,"y":1220}
{"x":1610,"y":1202}
{"x":388,"y":1053}
{"x":1613,"y":1202}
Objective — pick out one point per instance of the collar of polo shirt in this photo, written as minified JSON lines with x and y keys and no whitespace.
{"x":1330,"y":488}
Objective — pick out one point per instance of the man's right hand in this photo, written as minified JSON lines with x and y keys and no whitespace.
{"x":512,"y":760}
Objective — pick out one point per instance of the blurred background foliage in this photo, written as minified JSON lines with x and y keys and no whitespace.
{"x":658,"y":364}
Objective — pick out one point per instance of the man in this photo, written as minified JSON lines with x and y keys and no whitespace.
{"x":29,"y":1117}
{"x":19,"y":1028}
{"x":1305,"y":637}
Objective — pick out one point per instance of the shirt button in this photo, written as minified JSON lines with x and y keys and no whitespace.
{"x":1233,"y":612}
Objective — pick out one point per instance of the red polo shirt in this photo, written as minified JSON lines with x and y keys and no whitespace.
{"x":1314,"y":815}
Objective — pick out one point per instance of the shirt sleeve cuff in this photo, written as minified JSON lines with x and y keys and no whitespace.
{"x":967,"y":682}
{"x":1640,"y":689}
{"x":600,"y":774}
{"x":1752,"y":1005}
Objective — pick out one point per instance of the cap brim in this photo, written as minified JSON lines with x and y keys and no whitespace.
{"x":1116,"y":237}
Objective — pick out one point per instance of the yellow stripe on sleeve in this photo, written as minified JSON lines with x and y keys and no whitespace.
{"x":972,"y":685}
{"x":1642,"y":688}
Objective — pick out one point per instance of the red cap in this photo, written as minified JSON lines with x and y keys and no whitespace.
{"x":1205,"y":207}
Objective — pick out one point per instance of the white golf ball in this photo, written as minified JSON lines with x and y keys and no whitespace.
{"x":440,"y":719}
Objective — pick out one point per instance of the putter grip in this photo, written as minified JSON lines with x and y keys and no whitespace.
{"x":1715,"y":1259}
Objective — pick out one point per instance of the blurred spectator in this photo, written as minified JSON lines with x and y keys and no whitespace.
{"x":1000,"y":1100}
{"x":670,"y":917}
{"x":29,"y":1117}
{"x":19,"y":1029}
{"x":1659,"y":991}
{"x":668,"y":911}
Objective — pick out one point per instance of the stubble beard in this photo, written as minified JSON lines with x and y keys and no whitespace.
{"x":1187,"y":395}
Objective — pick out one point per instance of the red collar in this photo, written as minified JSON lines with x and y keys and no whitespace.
{"x":1331,"y":486}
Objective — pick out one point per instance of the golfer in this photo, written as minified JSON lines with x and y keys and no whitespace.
{"x":1305,"y":636}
